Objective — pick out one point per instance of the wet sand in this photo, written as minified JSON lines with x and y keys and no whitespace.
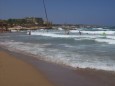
{"x":15,"y":72}
{"x":60,"y":75}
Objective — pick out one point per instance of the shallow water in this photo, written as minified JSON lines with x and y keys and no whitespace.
{"x":86,"y":50}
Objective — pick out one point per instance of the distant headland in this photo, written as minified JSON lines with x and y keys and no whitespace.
{"x":33,"y":23}
{"x":24,"y":23}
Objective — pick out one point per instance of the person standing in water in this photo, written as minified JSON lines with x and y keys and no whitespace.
{"x":29,"y":32}
{"x":104,"y":34}
{"x":80,"y":32}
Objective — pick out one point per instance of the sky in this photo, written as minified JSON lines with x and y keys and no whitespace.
{"x":97,"y":12}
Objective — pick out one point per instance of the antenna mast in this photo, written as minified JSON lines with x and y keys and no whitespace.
{"x":45,"y":11}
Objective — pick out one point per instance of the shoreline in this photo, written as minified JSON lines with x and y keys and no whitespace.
{"x":63,"y":76}
{"x":16,"y":72}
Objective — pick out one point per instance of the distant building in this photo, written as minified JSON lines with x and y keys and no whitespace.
{"x":34,"y":20}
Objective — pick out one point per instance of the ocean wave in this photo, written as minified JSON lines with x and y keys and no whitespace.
{"x":109,"y":41}
{"x":52,"y":35}
{"x":65,"y":35}
{"x":58,"y":56}
{"x":94,"y":32}
{"x":110,"y":37}
{"x":98,"y":36}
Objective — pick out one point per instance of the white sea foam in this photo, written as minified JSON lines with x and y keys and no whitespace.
{"x":93,"y":32}
{"x":59,"y":56}
{"x":109,"y":41}
{"x":52,"y":35}
{"x":99,"y":28}
{"x":66,"y":45}
{"x":111,"y":37}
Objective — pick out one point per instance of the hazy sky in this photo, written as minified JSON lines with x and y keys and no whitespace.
{"x":101,"y":12}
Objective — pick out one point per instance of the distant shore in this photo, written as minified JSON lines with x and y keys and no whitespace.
{"x":22,"y":70}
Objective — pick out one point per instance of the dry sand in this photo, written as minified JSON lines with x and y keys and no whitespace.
{"x":14,"y":72}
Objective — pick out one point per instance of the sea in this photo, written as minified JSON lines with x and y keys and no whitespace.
{"x":82,"y":48}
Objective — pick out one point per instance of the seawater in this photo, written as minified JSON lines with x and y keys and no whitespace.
{"x":90,"y":49}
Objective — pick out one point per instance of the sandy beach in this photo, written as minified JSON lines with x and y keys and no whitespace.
{"x":14,"y":72}
{"x":22,"y":70}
